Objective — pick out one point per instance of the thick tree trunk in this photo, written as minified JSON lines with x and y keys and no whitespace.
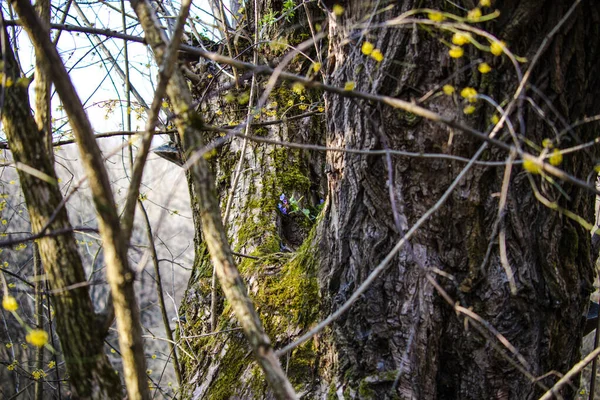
{"x":401,"y":339}
{"x":401,"y":323}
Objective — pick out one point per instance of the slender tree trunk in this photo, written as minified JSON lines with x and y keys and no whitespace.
{"x":90,"y":372}
{"x":401,"y":338}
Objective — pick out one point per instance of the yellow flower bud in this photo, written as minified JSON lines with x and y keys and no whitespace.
{"x":556,"y":157}
{"x":484,"y":68}
{"x":532,"y":167}
{"x":448,"y":89}
{"x":470,"y":109}
{"x":367,"y":48}
{"x":469,"y":93}
{"x":436,"y":16}
{"x":377,"y":55}
{"x":350,"y":85}
{"x":37,"y":337}
{"x":9,"y":303}
{"x":456,"y":52}
{"x":338,"y":10}
{"x":460,"y":38}
{"x":474,"y":14}
{"x":497,"y":47}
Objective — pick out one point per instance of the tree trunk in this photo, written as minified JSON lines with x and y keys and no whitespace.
{"x":401,"y":338}
{"x":90,"y":373}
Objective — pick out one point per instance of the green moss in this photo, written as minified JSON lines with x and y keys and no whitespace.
{"x":331,"y":394}
{"x":288,"y":289}
{"x":407,"y":118}
{"x":260,"y":131}
{"x":290,"y":175}
{"x":365,"y":391}
{"x":287,"y":299}
{"x":257,"y":382}
{"x":350,"y":375}
{"x":284,"y":285}
{"x":227,"y":162}
{"x":259,"y":227}
{"x":232,"y":365}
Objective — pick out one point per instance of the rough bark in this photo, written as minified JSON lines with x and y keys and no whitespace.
{"x":548,"y":252}
{"x":91,"y":374}
{"x":401,"y":324}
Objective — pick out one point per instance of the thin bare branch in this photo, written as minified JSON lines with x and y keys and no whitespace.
{"x":165,"y":72}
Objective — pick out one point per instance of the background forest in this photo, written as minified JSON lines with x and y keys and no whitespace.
{"x":298,"y":199}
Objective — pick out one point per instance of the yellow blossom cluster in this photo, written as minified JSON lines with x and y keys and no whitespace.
{"x":556,"y":157}
{"x":484,"y":68}
{"x":369,"y":49}
{"x":470,"y":94}
{"x":38,"y":374}
{"x":474,"y":15}
{"x":337,"y":10}
{"x":470,"y":109}
{"x":531,"y":166}
{"x":497,"y":47}
{"x":298,"y":88}
{"x":456,"y":52}
{"x":13,"y":365}
{"x":461,"y":38}
{"x":448,"y":89}
{"x":37,"y":337}
{"x":436,"y":16}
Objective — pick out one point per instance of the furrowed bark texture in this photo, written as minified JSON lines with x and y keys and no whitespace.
{"x":548,"y":253}
{"x":189,"y":125}
{"x":91,"y":374}
{"x":401,"y":329}
{"x":119,"y":274}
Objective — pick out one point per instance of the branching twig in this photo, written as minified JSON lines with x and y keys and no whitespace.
{"x":165,"y":72}
{"x":573,"y":372}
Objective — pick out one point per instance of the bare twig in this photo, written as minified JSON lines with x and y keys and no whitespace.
{"x":572,"y":374}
